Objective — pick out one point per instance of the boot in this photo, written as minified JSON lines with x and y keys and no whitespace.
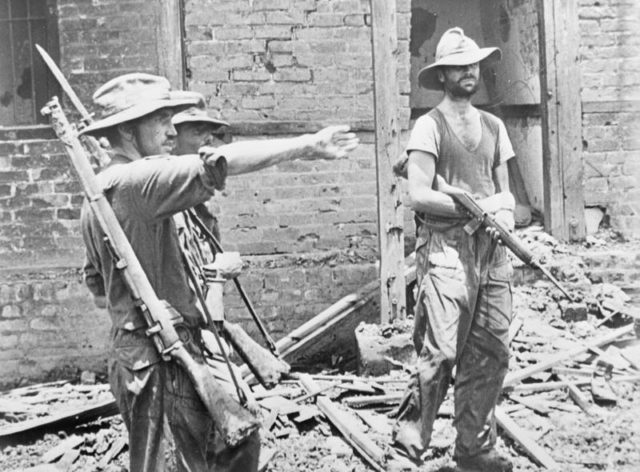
{"x":489,"y":461}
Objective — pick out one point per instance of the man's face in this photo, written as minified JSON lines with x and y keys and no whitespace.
{"x":193,"y":135}
{"x":155,"y":134}
{"x":461,"y":81}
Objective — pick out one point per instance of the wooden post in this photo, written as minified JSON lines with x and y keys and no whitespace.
{"x":561,"y":119}
{"x":390,"y":211}
{"x":169,"y":42}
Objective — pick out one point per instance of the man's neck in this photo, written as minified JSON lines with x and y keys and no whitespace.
{"x":459,"y":106}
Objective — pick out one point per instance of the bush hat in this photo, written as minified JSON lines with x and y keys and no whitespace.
{"x":133,"y":96}
{"x":454,"y":49}
{"x":197,"y":114}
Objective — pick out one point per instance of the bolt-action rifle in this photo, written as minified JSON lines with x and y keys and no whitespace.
{"x":234,"y":422}
{"x":480,"y":218}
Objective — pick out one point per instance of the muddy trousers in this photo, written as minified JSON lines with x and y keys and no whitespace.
{"x":462,"y":317}
{"x":146,"y":396}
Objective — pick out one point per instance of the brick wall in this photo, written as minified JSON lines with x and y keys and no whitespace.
{"x":306,"y":229}
{"x":100,"y":39}
{"x":288,"y":60}
{"x":610,"y":79}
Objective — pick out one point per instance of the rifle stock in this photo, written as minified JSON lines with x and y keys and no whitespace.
{"x":481,"y":218}
{"x":234,"y":422}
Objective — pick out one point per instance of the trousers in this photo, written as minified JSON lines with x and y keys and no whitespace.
{"x":462,"y":316}
{"x":146,"y":396}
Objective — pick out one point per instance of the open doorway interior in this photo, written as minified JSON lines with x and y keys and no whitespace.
{"x":510,"y":89}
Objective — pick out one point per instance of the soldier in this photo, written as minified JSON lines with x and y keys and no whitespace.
{"x":463,"y":308}
{"x":136,"y":111}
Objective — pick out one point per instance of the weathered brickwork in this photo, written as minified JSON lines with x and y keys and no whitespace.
{"x":48,"y":325}
{"x":100,"y":39}
{"x":39,"y":205}
{"x":307,"y":229}
{"x":610,"y":79}
{"x":288,"y":60}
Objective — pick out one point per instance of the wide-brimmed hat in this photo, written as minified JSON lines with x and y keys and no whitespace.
{"x":454,"y":49}
{"x":197,"y":114}
{"x":132,"y":96}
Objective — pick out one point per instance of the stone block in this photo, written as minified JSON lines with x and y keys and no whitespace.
{"x":573,"y":311}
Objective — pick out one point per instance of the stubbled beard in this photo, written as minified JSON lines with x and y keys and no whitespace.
{"x":456,"y":90}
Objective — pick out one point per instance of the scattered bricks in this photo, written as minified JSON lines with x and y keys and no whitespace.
{"x":573,"y":311}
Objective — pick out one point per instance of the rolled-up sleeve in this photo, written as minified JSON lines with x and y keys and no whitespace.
{"x":159,"y":187}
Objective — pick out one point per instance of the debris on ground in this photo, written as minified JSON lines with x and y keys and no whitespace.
{"x":571,"y":399}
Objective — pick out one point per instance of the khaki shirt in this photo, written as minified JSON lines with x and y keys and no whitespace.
{"x":144,"y":195}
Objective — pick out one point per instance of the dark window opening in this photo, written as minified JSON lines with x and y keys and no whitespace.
{"x":25,"y":82}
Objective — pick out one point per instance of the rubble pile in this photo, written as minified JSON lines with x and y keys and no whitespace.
{"x":571,"y":399}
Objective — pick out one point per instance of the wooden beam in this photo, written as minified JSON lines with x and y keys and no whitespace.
{"x":66,"y":419}
{"x":390,"y":213}
{"x":522,"y":437}
{"x":170,"y":42}
{"x":561,"y":119}
{"x":348,"y":425}
{"x":517,"y":376}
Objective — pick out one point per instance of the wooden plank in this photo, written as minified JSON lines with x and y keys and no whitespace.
{"x":513,"y":378}
{"x":532,"y":404}
{"x":579,"y":398}
{"x":522,"y":437}
{"x":118,"y":445}
{"x":390,"y":209}
{"x":170,"y":42}
{"x":355,"y":402}
{"x":63,"y":420}
{"x":561,"y":119}
{"x":340,"y":310}
{"x":348,"y":425}
{"x":58,"y":451}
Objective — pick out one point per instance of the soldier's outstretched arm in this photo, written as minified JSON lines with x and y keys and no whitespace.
{"x":332,"y":142}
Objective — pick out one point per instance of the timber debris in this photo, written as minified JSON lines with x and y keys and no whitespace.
{"x":563,"y":368}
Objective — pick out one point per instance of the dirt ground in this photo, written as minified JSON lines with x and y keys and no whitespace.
{"x":606,"y":438}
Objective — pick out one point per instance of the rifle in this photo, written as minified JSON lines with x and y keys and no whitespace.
{"x":266,"y":369}
{"x":480,"y":218}
{"x":96,"y":152}
{"x":215,"y":244}
{"x":234,"y":422}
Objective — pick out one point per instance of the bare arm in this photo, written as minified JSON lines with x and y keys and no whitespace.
{"x":421,"y":172}
{"x":501,"y":178}
{"x":333,"y":142}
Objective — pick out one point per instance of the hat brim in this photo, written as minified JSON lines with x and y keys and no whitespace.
{"x":137,"y":111}
{"x":428,"y":77}
{"x":178,"y":120}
